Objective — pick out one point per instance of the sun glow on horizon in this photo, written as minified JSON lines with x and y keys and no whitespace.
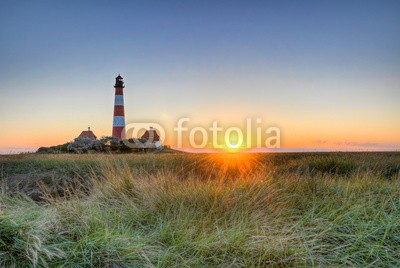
{"x":235,"y":163}
{"x":232,"y":148}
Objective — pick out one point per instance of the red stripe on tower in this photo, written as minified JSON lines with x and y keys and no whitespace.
{"x":119,"y":113}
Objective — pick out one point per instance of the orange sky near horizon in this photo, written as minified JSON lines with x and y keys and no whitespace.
{"x":311,"y":134}
{"x":371,"y":123}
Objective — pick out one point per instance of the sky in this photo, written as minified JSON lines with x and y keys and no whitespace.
{"x":325,"y":73}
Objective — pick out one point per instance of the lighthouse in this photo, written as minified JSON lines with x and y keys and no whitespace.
{"x":119,"y":111}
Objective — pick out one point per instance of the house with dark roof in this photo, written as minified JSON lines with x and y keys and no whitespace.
{"x":151,"y":135}
{"x":88,"y":134}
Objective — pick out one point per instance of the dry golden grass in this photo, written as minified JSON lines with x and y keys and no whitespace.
{"x":239,"y":210}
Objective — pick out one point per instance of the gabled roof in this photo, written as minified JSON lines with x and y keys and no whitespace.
{"x":88,"y":134}
{"x":151,"y":135}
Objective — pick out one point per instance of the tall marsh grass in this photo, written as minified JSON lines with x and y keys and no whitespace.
{"x":205,"y":211}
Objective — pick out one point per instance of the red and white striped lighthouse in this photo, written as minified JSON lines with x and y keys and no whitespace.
{"x":119,"y":111}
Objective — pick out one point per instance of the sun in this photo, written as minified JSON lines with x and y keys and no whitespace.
{"x":232,"y":147}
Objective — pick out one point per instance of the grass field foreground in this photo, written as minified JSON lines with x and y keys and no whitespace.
{"x":215,"y":210}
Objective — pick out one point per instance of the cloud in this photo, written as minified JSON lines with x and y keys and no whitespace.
{"x":359,"y":145}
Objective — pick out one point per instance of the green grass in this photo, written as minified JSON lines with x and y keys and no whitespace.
{"x":183,"y":210}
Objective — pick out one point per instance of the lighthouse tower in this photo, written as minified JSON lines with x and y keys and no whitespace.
{"x":119,"y":111}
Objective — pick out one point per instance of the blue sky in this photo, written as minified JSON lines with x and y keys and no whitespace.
{"x":309,"y":67}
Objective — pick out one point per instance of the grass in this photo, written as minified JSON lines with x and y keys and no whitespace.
{"x":265,"y":210}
